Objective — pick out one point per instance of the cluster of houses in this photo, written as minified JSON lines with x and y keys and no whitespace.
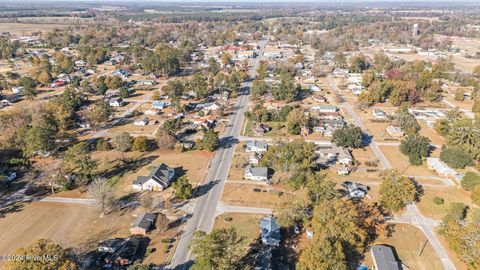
{"x":251,"y":172}
{"x":326,"y":119}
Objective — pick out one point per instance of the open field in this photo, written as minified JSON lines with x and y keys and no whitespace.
{"x":407,"y":240}
{"x":74,"y":227}
{"x":26,"y":28}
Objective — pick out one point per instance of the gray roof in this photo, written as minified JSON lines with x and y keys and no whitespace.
{"x":270,"y":230}
{"x":257,"y":171}
{"x":144,"y":221}
{"x":258,"y":144}
{"x":159,"y":175}
{"x":384,"y":258}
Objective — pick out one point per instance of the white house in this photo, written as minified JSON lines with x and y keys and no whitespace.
{"x":17,"y":89}
{"x":256,"y":146}
{"x":254,"y":158}
{"x":256,"y":173}
{"x":325,"y":108}
{"x":158,"y":180}
{"x":379,"y":114}
{"x":116,"y":102}
{"x":442,"y":169}
{"x":141,"y":122}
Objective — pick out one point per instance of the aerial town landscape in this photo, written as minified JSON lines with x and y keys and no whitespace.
{"x":239,"y":135}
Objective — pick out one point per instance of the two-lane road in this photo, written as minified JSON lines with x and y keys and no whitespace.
{"x":205,"y":205}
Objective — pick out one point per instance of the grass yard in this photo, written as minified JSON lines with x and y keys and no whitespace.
{"x":400,"y":162}
{"x":78,"y":227}
{"x":449,"y":195}
{"x":243,"y":195}
{"x":247,"y":225}
{"x":407,"y":240}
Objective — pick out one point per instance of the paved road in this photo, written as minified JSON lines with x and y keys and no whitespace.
{"x":413,"y":217}
{"x":349,"y":108}
{"x":204,"y":210}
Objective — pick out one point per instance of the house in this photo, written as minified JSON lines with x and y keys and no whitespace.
{"x":319,"y":98}
{"x":121,"y":72}
{"x":325,"y":108}
{"x":394,"y":131}
{"x":112,"y":93}
{"x":355,"y":190}
{"x":143,"y":224}
{"x":5,"y":103}
{"x":270,"y":231}
{"x":354,"y":78}
{"x":274,"y":105}
{"x":379,"y":114}
{"x":111,"y":245}
{"x":80,"y":63}
{"x":17,"y":89}
{"x":152,"y":112}
{"x":309,"y":232}
{"x":126,"y":254}
{"x":57,"y":83}
{"x":442,"y":169}
{"x":158,"y":180}
{"x":340,"y":72}
{"x":256,"y":146}
{"x":256,"y":173}
{"x":331,"y":153}
{"x":141,"y":122}
{"x":159,"y":105}
{"x":384,"y":258}
{"x":207,"y":107}
{"x":116,"y":102}
{"x":254,"y":158}
{"x":261,"y":128}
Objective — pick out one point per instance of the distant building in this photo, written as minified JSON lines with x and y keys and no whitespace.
{"x":116,"y":102}
{"x":394,"y":131}
{"x":415,"y":30}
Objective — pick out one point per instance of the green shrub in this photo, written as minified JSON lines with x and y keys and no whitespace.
{"x":470,"y":181}
{"x":438,"y":201}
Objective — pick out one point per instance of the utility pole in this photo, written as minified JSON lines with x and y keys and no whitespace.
{"x":421,"y":247}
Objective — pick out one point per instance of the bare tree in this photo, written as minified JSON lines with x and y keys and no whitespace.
{"x":161,"y":223}
{"x":165,"y":140}
{"x":103,"y":193}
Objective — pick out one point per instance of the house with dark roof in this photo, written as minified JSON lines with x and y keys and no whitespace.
{"x":384,"y":259}
{"x":126,"y":255}
{"x":143,"y":224}
{"x":270,"y":231}
{"x":111,"y":245}
{"x":159,"y":179}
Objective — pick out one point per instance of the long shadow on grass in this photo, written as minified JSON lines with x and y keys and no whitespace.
{"x":129,"y":166}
